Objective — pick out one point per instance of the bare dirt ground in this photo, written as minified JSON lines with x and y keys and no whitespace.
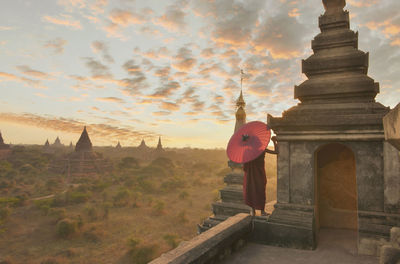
{"x":334,"y":246}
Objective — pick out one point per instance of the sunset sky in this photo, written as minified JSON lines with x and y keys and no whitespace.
{"x":133,"y":69}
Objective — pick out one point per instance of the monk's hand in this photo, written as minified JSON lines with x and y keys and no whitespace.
{"x":274,"y":138}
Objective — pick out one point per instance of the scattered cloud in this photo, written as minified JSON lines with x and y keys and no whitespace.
{"x":33,"y":73}
{"x":65,"y":20}
{"x":56,"y":44}
{"x":5,"y":28}
{"x":166,"y":90}
{"x":184,"y":60}
{"x":28,"y":82}
{"x":110,"y":99}
{"x":174,"y":17}
{"x":97,"y":69}
{"x":98,"y":46}
{"x":169,"y":106}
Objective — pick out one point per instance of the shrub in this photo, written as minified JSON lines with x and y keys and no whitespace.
{"x":58,"y":213}
{"x":4,"y":213}
{"x":140,"y":254}
{"x":75,"y":197}
{"x":171,"y":240}
{"x":182,"y":217}
{"x":53,"y":260}
{"x":93,"y":234}
{"x":128,"y":162}
{"x":172,"y":184}
{"x":183,"y":195}
{"x":121,"y":198}
{"x":66,"y":228}
{"x":10,"y":201}
{"x":92,"y":213}
{"x":44,"y":205}
{"x":158,"y":208}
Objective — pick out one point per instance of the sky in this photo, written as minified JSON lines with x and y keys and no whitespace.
{"x":139,"y":69}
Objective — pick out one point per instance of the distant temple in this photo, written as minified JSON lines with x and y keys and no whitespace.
{"x":159,"y":145}
{"x":143,"y":145}
{"x":118,"y":146}
{"x":5,"y":149}
{"x":83,"y":161}
{"x":2,"y":144}
{"x":57,"y":143}
{"x":47,"y":144}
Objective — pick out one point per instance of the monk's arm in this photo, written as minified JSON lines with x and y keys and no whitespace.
{"x":276,"y":149}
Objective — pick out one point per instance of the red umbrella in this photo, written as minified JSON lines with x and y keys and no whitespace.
{"x":248,"y":142}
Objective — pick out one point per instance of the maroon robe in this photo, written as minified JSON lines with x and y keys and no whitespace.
{"x":254,"y":181}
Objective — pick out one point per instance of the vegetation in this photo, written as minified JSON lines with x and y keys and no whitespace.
{"x":144,"y":207}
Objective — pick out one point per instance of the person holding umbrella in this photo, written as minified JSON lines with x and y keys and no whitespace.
{"x":248,"y":146}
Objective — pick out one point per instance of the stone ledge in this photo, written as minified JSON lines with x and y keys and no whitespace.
{"x":215,"y":242}
{"x":391,"y":124}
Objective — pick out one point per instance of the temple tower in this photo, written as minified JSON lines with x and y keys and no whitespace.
{"x":335,"y":130}
{"x":231,"y":202}
{"x":2,"y":144}
{"x":118,"y":146}
{"x":57,"y":143}
{"x":159,"y":146}
{"x":84,"y":143}
{"x":240,"y":112}
{"x":143,"y":145}
{"x":83,"y":161}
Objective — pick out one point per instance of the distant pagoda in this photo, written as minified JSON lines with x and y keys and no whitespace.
{"x":2,"y":144}
{"x":143,"y":145}
{"x":84,"y":143}
{"x":118,"y":146}
{"x":83,"y":161}
{"x":5,"y":149}
{"x":159,"y":145}
{"x":57,"y":143}
{"x":47,"y":144}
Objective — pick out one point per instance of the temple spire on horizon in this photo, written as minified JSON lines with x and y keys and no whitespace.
{"x":84,"y":143}
{"x":240,"y":104}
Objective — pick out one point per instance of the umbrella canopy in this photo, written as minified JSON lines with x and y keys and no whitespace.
{"x":248,"y":142}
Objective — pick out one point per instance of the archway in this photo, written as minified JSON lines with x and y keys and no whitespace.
{"x":335,"y":187}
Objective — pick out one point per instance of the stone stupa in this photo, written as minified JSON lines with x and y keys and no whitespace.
{"x":5,"y":149}
{"x":333,"y":162}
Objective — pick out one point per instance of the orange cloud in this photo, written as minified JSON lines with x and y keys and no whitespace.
{"x":66,"y":21}
{"x":110,"y":99}
{"x":28,"y":82}
{"x":56,"y":44}
{"x":33,"y":73}
{"x":125,"y":18}
{"x":170,"y":106}
{"x":101,"y":131}
{"x":362,"y":3}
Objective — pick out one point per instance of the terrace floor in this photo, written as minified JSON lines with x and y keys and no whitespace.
{"x":334,"y":246}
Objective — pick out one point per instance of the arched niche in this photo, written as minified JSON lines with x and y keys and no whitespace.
{"x":335,"y":187}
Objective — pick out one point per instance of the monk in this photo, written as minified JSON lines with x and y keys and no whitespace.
{"x":254,"y":181}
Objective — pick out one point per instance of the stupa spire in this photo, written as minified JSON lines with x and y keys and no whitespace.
{"x":240,"y":104}
{"x":1,"y":139}
{"x":159,"y":146}
{"x":333,"y":6}
{"x":84,"y":143}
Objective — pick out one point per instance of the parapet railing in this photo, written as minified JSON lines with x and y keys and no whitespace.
{"x":212,"y":245}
